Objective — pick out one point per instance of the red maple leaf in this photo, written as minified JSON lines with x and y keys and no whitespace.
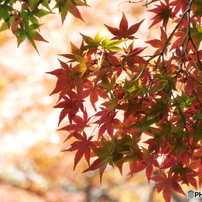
{"x":83,"y":147}
{"x":179,"y":5}
{"x":98,"y":164}
{"x":63,"y":82}
{"x":93,"y":91}
{"x":159,"y":44}
{"x":70,"y":6}
{"x":163,"y":13}
{"x":70,"y":106}
{"x":150,"y":161}
{"x":124,"y":31}
{"x":136,"y":166}
{"x":167,"y":184}
{"x":79,"y":123}
{"x":107,"y":121}
{"x":132,"y":56}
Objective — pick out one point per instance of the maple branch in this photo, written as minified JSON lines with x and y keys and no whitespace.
{"x":190,"y":38}
{"x":130,"y":2}
{"x":173,"y":32}
{"x":178,"y":24}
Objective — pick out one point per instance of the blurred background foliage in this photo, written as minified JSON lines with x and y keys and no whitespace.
{"x":32,"y":168}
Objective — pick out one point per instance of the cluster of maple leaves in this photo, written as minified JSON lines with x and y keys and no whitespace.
{"x":159,"y":95}
{"x":22,"y":16}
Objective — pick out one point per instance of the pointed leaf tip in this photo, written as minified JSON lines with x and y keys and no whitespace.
{"x":123,"y":26}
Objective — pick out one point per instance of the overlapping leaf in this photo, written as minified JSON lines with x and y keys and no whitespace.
{"x":83,"y":146}
{"x":167,"y":183}
{"x":79,"y":123}
{"x":163,"y":13}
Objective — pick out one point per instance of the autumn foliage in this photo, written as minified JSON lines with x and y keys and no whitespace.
{"x":131,"y":93}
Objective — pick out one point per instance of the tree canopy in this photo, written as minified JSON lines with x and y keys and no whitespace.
{"x":133,"y":92}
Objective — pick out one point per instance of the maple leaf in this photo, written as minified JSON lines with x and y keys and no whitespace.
{"x":159,"y":44}
{"x":69,"y":6}
{"x":5,"y":11}
{"x":128,"y":148}
{"x":178,"y":42}
{"x":110,"y":105}
{"x":109,"y":126}
{"x":179,"y":5}
{"x":167,"y":184}
{"x":132,"y":56}
{"x":98,"y":164}
{"x":111,"y":45}
{"x":91,"y":43}
{"x":168,"y":162}
{"x":186,"y":174}
{"x":107,"y":121}
{"x":136,"y":166}
{"x":36,"y":36}
{"x":70,"y":106}
{"x":104,"y":152}
{"x":72,"y":8}
{"x":80,"y":123}
{"x":134,"y":157}
{"x":163,"y":13}
{"x":93,"y":91}
{"x":60,"y":74}
{"x":74,"y":50}
{"x":83,"y":146}
{"x":29,"y":33}
{"x":63,"y":82}
{"x":124,"y":31}
{"x":150,"y":161}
